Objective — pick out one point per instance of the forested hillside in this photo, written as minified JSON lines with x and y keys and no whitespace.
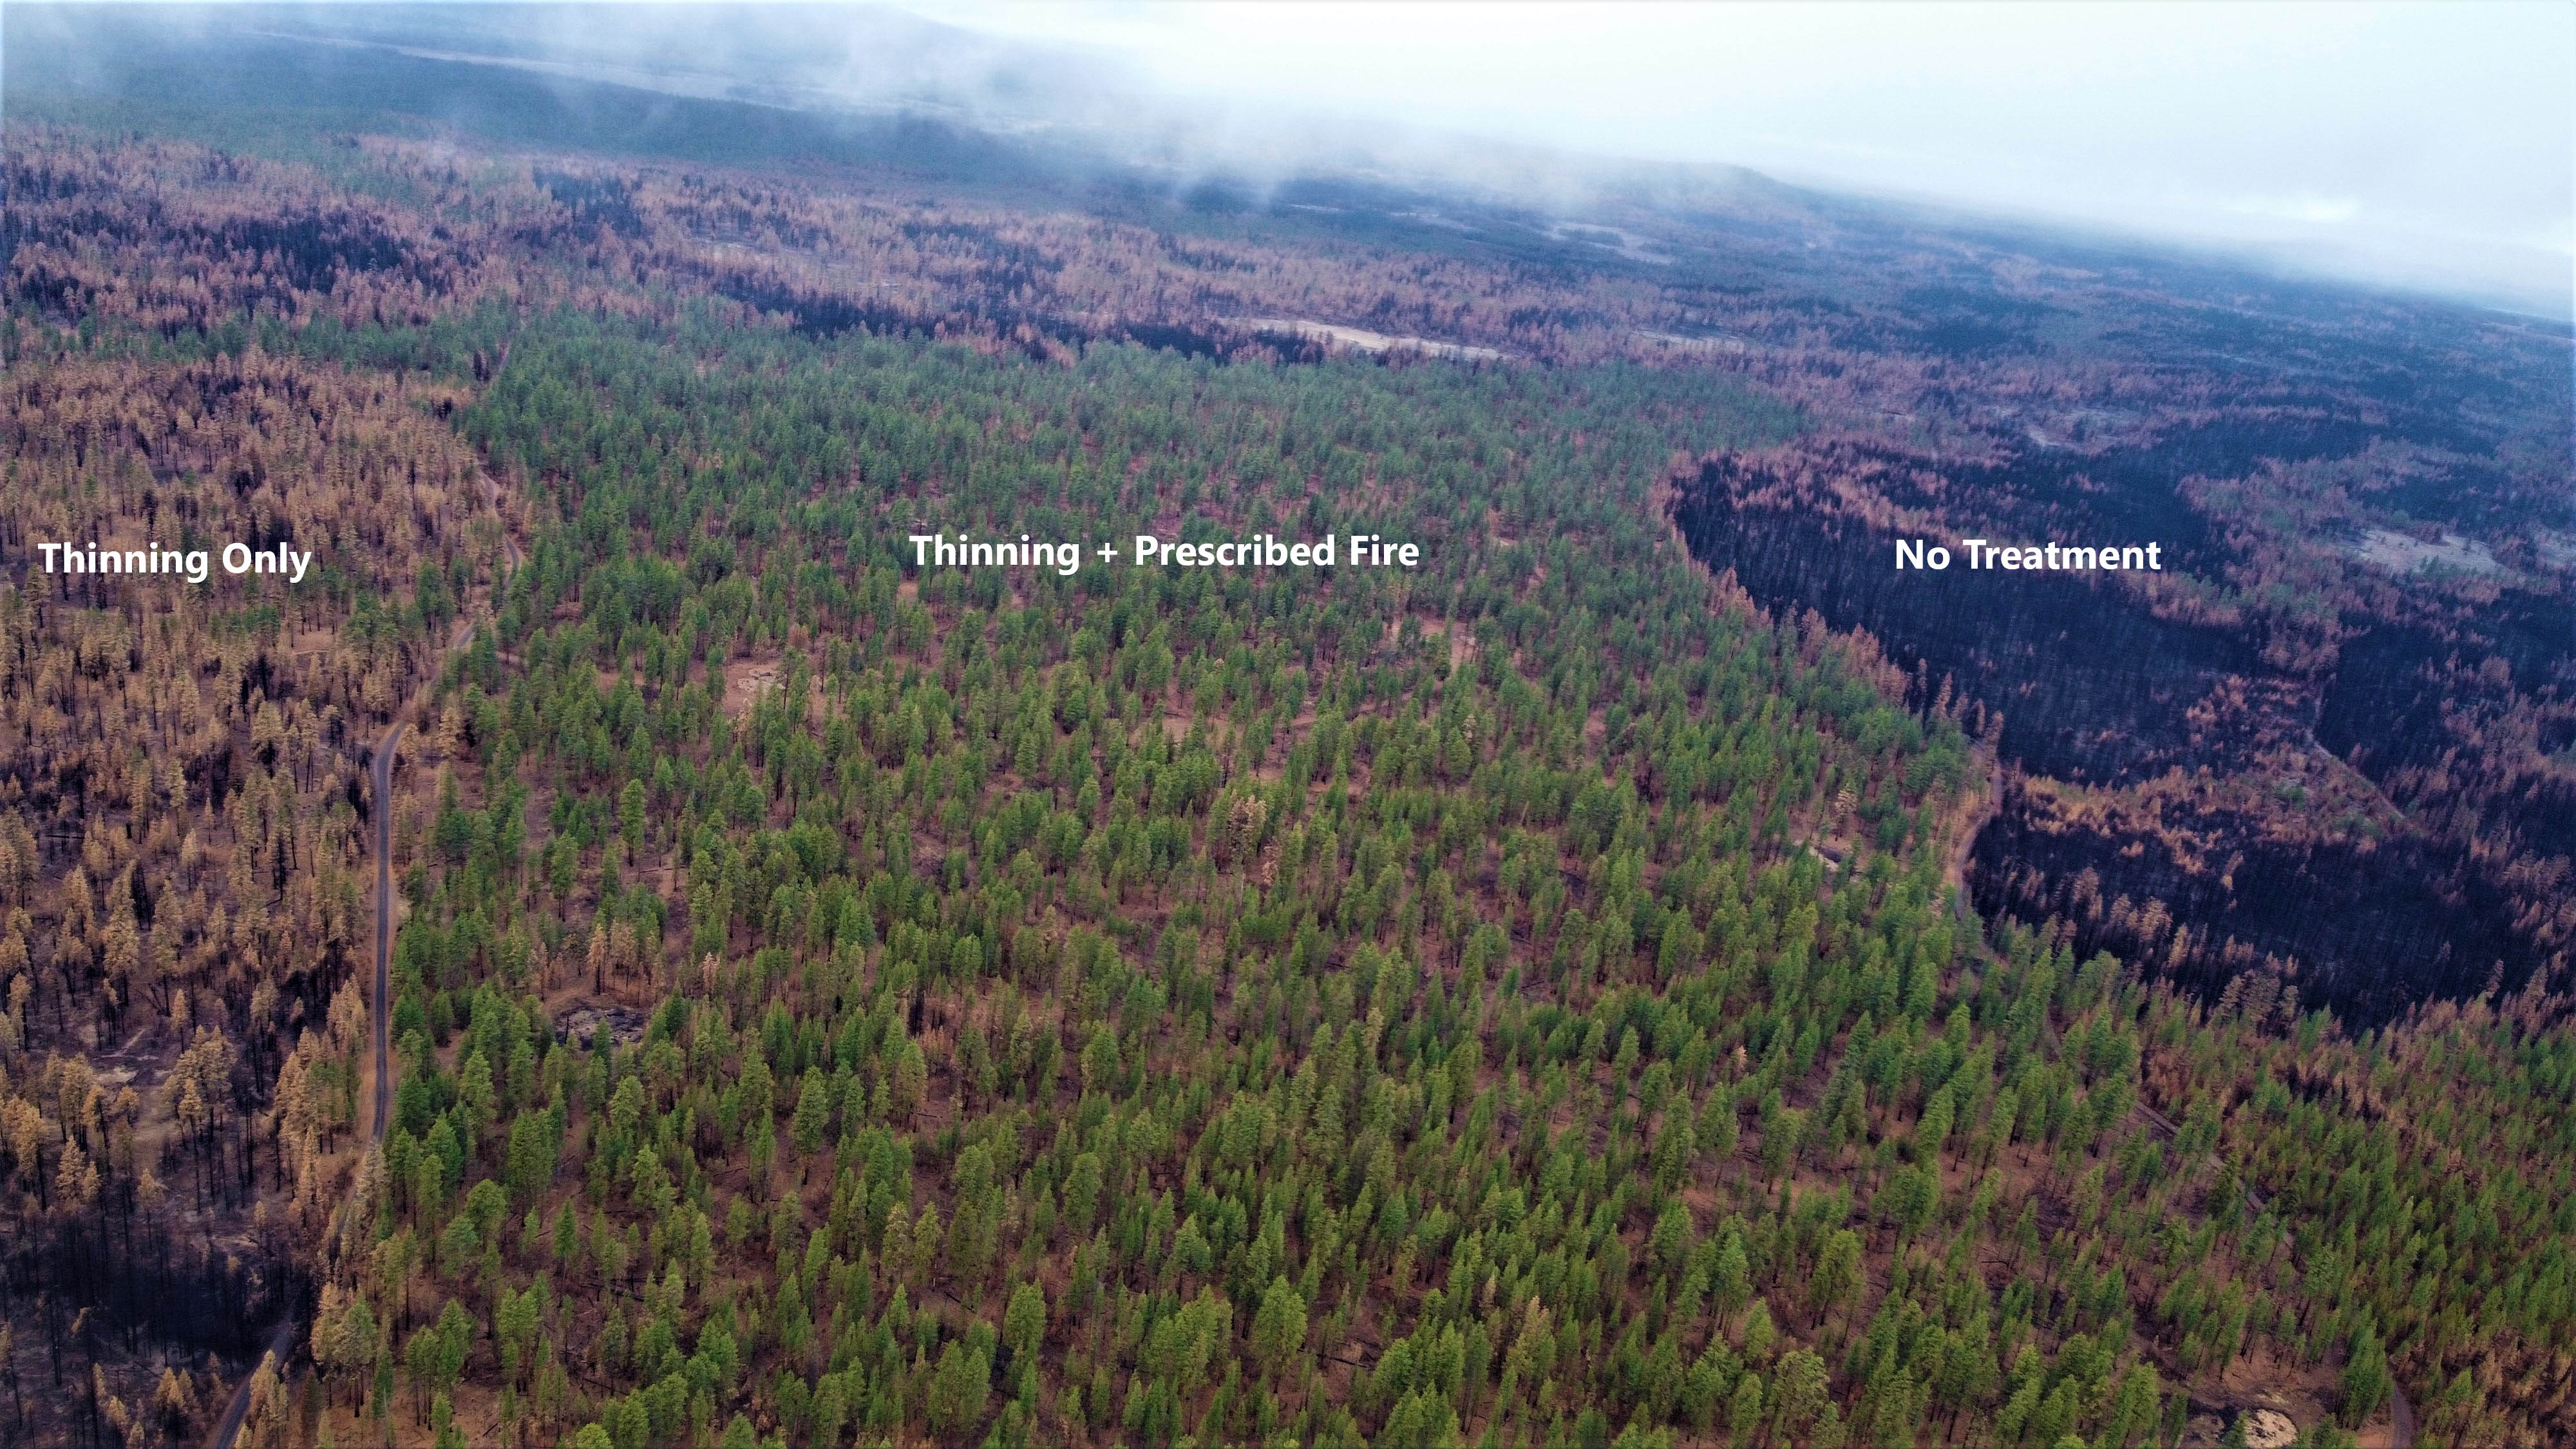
{"x":179,"y":905}
{"x":1531,"y":999}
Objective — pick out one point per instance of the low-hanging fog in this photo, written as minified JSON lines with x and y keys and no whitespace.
{"x":2428,"y":148}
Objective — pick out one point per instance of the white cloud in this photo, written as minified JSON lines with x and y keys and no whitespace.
{"x":2425,"y":144}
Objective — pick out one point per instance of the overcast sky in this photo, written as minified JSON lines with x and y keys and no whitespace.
{"x":2428,"y":145}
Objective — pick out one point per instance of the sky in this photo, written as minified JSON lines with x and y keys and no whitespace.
{"x":2427,"y":146}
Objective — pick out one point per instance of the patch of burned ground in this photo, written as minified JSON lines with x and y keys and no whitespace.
{"x":582,"y":1023}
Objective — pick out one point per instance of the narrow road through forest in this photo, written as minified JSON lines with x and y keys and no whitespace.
{"x":380,"y":997}
{"x":379,"y":1001}
{"x":229,"y":1426}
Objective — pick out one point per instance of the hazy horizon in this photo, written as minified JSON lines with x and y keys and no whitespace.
{"x":2424,"y":147}
{"x":2427,"y":149}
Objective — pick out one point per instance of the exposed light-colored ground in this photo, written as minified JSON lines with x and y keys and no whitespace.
{"x":1365,"y":340}
{"x":2404,"y":553}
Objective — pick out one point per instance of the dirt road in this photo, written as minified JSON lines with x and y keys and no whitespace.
{"x":380,"y":997}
